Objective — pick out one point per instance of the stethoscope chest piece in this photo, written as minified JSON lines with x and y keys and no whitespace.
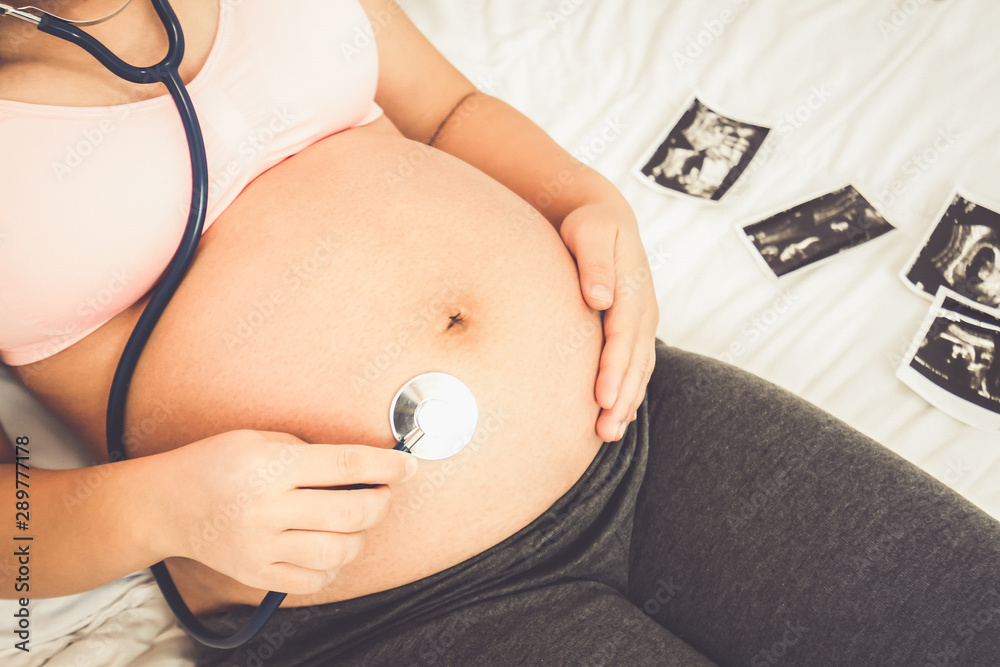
{"x":434,"y":416}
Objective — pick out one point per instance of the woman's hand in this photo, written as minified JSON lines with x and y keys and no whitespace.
{"x":615,"y":277}
{"x":431,"y":101}
{"x":257,"y":507}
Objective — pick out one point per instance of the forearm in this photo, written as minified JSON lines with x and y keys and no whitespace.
{"x":497,"y":139}
{"x":432,"y":102}
{"x":88,"y":526}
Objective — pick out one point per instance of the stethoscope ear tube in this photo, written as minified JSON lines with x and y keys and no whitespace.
{"x":165,"y":72}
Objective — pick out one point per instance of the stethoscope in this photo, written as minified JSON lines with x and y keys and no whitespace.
{"x":432,"y":416}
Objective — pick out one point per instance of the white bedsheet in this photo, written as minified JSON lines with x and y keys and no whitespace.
{"x":875,"y":94}
{"x":868,"y":92}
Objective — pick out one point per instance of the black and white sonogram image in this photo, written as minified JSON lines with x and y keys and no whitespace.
{"x":962,"y":252}
{"x":959,"y":354}
{"x":817,"y":229}
{"x":704,"y":153}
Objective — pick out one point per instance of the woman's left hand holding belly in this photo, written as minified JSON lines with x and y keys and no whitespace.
{"x":615,"y":277}
{"x":431,"y":101}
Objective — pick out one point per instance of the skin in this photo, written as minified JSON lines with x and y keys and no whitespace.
{"x":418,"y":89}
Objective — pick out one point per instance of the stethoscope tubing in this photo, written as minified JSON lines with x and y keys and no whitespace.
{"x":165,"y":72}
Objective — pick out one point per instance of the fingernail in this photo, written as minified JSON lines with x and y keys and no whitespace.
{"x":621,"y":431}
{"x":601,"y":293}
{"x":411,"y":466}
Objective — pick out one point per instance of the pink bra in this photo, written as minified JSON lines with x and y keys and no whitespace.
{"x":94,"y":199}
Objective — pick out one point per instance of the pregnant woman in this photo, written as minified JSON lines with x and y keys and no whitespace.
{"x":350,"y":250}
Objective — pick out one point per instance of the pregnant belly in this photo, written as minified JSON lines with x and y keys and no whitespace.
{"x":334,"y":278}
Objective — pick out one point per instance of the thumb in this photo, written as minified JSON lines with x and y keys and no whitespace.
{"x":593,"y":247}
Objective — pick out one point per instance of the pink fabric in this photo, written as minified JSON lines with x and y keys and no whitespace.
{"x":93,"y":200}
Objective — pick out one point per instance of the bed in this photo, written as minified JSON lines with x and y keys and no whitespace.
{"x":896,"y":98}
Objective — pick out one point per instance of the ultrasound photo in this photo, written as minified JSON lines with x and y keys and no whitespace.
{"x":953,"y":363}
{"x":961,"y":252}
{"x":703,"y":154}
{"x":815,"y":230}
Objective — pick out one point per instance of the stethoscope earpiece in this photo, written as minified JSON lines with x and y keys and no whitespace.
{"x":27,"y":14}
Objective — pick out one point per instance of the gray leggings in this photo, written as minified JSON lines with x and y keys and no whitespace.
{"x":734,"y":524}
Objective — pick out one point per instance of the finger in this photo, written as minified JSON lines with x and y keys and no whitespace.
{"x":612,"y":421}
{"x":334,"y":511}
{"x":338,"y":465}
{"x":314,"y":550}
{"x":617,"y":417}
{"x":627,"y":398}
{"x":607,"y":428}
{"x":620,"y":327}
{"x":647,"y":374}
{"x":593,"y":247}
{"x":293,"y":579}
